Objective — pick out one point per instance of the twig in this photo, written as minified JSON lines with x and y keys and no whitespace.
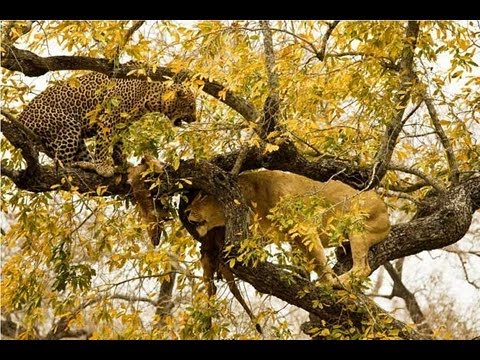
{"x":295,"y":36}
{"x":400,"y":195}
{"x":304,"y":142}
{"x":410,"y":170}
{"x":454,"y":250}
{"x":459,"y":253}
{"x":136,"y":25}
{"x":400,"y":290}
{"x":386,"y":60}
{"x":408,"y":189}
{"x":447,"y":145}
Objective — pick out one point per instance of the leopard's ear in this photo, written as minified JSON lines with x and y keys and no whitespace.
{"x":182,"y":92}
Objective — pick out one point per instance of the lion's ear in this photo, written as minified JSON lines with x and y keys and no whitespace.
{"x":195,"y":200}
{"x":199,"y":197}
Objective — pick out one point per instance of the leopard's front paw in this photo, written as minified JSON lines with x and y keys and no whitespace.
{"x":100,"y":169}
{"x":105,"y":171}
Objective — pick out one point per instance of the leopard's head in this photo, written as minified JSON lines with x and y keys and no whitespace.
{"x":176,"y":101}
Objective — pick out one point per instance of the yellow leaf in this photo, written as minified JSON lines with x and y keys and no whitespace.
{"x":222,"y":94}
{"x":74,"y":82}
{"x":457,"y":74}
{"x":199,"y":83}
{"x":325,"y":332}
{"x":270,"y":148}
{"x":168,"y":95}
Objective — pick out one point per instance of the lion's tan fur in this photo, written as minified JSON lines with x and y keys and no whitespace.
{"x":152,"y":214}
{"x":264,"y":189}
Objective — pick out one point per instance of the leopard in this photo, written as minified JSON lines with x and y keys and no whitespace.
{"x":264,"y":190}
{"x":96,"y":105}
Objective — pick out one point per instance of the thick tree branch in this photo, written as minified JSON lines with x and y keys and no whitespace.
{"x":288,"y":158}
{"x":36,"y":178}
{"x":21,"y":141}
{"x":269,"y":56}
{"x":30,"y":64}
{"x":31,"y":135}
{"x":394,"y":127}
{"x":445,"y":221}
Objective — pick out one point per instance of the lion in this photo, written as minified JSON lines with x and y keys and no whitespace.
{"x":264,"y":190}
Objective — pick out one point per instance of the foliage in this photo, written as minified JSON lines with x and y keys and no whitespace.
{"x":84,"y":260}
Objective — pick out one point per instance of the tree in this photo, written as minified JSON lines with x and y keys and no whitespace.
{"x":390,"y":105}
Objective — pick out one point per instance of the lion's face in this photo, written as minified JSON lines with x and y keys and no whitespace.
{"x":206,"y":213}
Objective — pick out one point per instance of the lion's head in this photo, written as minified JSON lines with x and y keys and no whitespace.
{"x":206,"y":213}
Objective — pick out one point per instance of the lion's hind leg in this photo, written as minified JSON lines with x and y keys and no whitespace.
{"x":315,"y":252}
{"x":360,"y":244}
